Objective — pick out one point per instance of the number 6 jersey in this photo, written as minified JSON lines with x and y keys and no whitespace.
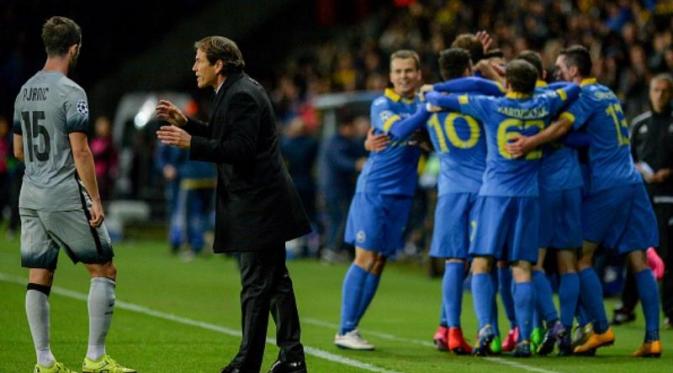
{"x":48,"y":108}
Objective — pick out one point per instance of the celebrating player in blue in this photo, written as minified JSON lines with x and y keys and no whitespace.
{"x":507,"y":211}
{"x":560,"y":229}
{"x":383,"y":196}
{"x":616,"y":212}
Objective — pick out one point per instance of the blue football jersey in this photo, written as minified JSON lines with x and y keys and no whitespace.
{"x":560,"y":168}
{"x":394,"y":169}
{"x":505,"y":118}
{"x":599,"y":112}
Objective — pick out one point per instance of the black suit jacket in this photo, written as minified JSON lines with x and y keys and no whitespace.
{"x":257,"y":205}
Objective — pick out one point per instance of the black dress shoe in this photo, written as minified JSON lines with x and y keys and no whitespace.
{"x":288,"y":367}
{"x":230,"y":369}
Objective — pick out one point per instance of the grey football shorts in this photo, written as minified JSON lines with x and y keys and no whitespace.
{"x":43,"y":233}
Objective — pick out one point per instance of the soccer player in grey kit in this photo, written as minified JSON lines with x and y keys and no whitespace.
{"x":59,"y":203}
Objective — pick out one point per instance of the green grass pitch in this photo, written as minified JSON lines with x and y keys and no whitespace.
{"x":183,"y":317}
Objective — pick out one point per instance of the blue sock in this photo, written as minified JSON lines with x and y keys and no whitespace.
{"x":583,"y":317}
{"x":568,"y":292}
{"x":524,"y":299}
{"x":442,"y":313}
{"x":494,"y":315}
{"x":544,"y":301}
{"x":370,"y":287}
{"x":353,"y":286}
{"x":505,"y":289}
{"x":592,"y":298}
{"x":648,"y":292}
{"x":452,"y":288}
{"x":482,"y":294}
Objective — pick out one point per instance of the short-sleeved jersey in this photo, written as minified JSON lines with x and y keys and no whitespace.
{"x":599,"y":112}
{"x":505,"y":118}
{"x":48,"y":108}
{"x":560,"y":168}
{"x":461,"y":146}
{"x":394,"y":169}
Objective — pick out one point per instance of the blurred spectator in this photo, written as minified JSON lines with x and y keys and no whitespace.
{"x":5,"y":159}
{"x":300,"y":151}
{"x":190,"y":187}
{"x":342,"y":159}
{"x":105,"y":156}
{"x":652,"y":149}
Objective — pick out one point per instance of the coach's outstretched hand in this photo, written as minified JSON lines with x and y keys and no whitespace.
{"x":175,"y":136}
{"x":167,"y":111}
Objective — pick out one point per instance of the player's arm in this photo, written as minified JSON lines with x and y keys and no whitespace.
{"x":446,"y":102}
{"x":399,"y":128}
{"x":84,"y":164}
{"x":470,"y":85}
{"x":524,"y":144}
{"x":18,"y":146}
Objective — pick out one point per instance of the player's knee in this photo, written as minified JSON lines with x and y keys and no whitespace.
{"x":365,"y":259}
{"x":637,"y":261}
{"x":567,"y":261}
{"x":41,"y":276}
{"x":103,"y":270}
{"x":378,"y":265}
{"x":481,"y":265}
{"x":521,"y":271}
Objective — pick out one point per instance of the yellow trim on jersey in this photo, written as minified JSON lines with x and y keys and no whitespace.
{"x":198,"y":183}
{"x":392,"y":95}
{"x":389,"y":122}
{"x":517,"y":95}
{"x":562,"y":94}
{"x":501,"y":87}
{"x":567,"y":115}
{"x":588,"y":81}
{"x":540,"y":84}
{"x":463,"y":99}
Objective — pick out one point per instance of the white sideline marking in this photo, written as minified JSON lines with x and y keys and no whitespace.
{"x":497,"y":360}
{"x":204,"y":325}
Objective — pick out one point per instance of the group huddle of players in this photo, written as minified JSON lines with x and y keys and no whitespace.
{"x":511,"y":187}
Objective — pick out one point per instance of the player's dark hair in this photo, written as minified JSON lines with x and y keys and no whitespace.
{"x":534,"y":59}
{"x":521,"y":76}
{"x":453,"y":62}
{"x":470,"y":43}
{"x":59,"y":34}
{"x":406,"y":54}
{"x":224,"y":49}
{"x":579,"y":56}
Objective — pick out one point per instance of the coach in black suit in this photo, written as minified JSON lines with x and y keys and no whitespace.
{"x":257,"y":209}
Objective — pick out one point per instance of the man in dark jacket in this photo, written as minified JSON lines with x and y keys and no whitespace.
{"x":652,"y":150}
{"x":257,"y":207}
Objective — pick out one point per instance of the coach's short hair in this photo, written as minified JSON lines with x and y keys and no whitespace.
{"x":471,"y":44}
{"x":406,"y":54}
{"x":521,"y":76}
{"x":666,"y":77}
{"x":577,"y":55}
{"x":534,"y":59}
{"x":59,"y":34}
{"x":453,"y":62}
{"x":224,"y":49}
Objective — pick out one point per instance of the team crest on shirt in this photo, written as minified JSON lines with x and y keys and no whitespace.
{"x":360,"y":237}
{"x":82,"y":107}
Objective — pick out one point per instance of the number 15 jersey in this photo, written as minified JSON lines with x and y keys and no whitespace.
{"x":47,"y":109}
{"x":598,"y":111}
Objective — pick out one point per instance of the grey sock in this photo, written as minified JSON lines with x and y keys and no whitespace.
{"x":101,"y":303}
{"x":37,"y":312}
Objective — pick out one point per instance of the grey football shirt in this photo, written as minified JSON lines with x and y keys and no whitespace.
{"x":48,"y":108}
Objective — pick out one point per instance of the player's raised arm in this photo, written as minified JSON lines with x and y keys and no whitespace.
{"x":470,"y":84}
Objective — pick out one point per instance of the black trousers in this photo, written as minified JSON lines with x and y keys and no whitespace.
{"x":664,"y":212}
{"x":267,"y":288}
